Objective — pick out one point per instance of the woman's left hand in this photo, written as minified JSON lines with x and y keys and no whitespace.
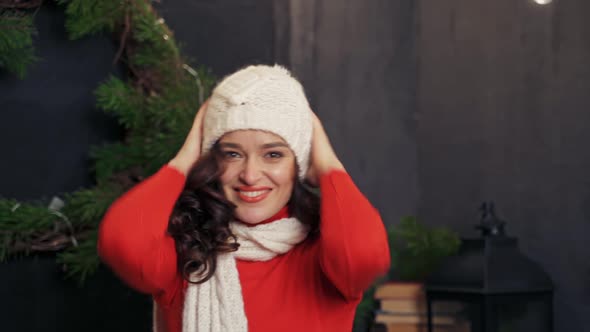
{"x":323,"y":159}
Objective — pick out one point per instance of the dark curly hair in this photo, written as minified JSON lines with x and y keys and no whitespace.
{"x":199,"y":222}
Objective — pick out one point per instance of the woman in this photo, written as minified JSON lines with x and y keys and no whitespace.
{"x":226,"y":237}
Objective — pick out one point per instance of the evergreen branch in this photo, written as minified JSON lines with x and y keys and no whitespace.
{"x":416,"y":249}
{"x":81,"y":261}
{"x":32,"y":227}
{"x":16,"y":42}
{"x":87,"y":17}
{"x":87,"y":207}
{"x":28,"y":227}
{"x":119,"y":98}
{"x":114,"y":158}
{"x":17,"y":4}
{"x":124,"y":37}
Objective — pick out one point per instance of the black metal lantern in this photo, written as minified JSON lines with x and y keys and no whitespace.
{"x":497,"y":288}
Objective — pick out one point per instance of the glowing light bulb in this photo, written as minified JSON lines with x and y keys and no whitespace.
{"x":543,"y":2}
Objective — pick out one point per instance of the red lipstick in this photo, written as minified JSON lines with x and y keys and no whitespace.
{"x":251,"y":194}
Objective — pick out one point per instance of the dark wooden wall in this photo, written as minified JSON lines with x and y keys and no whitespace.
{"x":435,"y":106}
{"x":503,"y":108}
{"x":357,"y":62}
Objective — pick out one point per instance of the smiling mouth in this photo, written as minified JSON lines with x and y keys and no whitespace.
{"x":253,"y":196}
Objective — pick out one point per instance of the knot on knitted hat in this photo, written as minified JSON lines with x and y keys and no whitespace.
{"x":265,"y":98}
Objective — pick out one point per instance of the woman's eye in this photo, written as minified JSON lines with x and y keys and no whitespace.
{"x":274,"y":154}
{"x":231,"y":154}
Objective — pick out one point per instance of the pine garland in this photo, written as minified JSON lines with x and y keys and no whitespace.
{"x":16,"y":41}
{"x":155,"y":106}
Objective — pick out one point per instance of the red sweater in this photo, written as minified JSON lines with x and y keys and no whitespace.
{"x":314,"y":287}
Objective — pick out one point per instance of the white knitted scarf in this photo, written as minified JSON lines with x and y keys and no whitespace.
{"x":217,"y":304}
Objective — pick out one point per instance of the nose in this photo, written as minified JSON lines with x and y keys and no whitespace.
{"x":251,"y":171}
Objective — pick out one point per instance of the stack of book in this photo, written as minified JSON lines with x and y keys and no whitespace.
{"x":403,"y":308}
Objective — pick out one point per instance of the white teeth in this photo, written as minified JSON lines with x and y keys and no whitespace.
{"x":252,"y":193}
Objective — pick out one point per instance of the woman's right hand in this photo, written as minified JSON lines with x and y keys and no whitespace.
{"x":191,"y":149}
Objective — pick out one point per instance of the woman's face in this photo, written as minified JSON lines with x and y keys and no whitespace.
{"x":259,"y":173}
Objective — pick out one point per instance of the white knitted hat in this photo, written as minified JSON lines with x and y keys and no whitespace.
{"x":265,"y":98}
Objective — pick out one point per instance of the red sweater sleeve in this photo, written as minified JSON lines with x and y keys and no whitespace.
{"x":132,"y":236}
{"x":353,"y":247}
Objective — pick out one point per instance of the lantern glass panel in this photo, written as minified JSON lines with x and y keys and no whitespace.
{"x":514,"y":313}
{"x":494,"y":313}
{"x":451,"y":315}
{"x":455,"y":314}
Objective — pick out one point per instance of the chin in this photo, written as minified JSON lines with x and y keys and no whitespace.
{"x":253,"y":216}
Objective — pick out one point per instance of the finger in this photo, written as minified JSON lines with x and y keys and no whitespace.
{"x":201,"y":116}
{"x":201,"y":111}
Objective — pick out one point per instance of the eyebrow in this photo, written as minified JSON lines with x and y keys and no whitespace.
{"x":264,"y":146}
{"x":229,"y":145}
{"x":275,"y":145}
